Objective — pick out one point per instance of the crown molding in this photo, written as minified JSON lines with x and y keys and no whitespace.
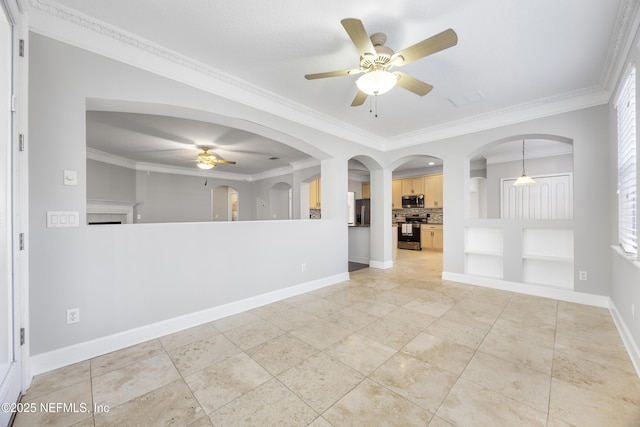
{"x":74,"y":28}
{"x":77,"y":29}
{"x":544,"y":107}
{"x":627,"y":23}
{"x":112,"y":159}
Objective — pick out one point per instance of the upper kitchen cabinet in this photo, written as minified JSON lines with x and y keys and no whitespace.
{"x":366,"y":190}
{"x":433,"y":191}
{"x":396,"y":194}
{"x":413,"y":186}
{"x":315,"y":194}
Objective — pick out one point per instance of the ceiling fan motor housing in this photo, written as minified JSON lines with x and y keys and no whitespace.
{"x":382,"y":60}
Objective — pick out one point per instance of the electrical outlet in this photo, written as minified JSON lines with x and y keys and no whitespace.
{"x":582,"y":275}
{"x":73,"y":315}
{"x":303,"y":267}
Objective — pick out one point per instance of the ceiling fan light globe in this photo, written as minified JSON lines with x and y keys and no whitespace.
{"x":376,"y":82}
{"x":205,"y":166}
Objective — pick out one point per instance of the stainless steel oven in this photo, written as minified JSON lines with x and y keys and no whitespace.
{"x":409,"y":232}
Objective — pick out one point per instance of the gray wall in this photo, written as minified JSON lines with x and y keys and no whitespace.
{"x":110,"y":182}
{"x":126,"y":277}
{"x":110,"y":272}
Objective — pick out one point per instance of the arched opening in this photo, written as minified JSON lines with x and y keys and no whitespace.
{"x":224,"y":204}
{"x":495,"y":167}
{"x":517,"y":233}
{"x":280,"y":201}
{"x":144,"y":164}
{"x":418,"y":205}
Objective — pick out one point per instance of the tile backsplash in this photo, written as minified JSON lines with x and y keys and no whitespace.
{"x":435,"y":215}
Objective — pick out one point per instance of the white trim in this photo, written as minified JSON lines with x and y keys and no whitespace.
{"x":55,"y":359}
{"x":527,"y":289}
{"x":97,"y":207}
{"x":381,"y":264}
{"x":627,"y":337}
{"x":10,"y":387}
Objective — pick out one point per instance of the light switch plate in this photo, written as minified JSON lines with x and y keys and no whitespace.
{"x":70,"y":178}
{"x":62,"y":219}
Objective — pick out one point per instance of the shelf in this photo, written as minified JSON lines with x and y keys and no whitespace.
{"x":547,"y":258}
{"x":485,"y":253}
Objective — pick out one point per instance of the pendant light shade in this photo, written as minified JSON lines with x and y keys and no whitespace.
{"x":524,"y":179}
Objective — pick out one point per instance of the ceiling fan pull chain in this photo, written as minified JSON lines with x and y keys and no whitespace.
{"x":376,"y":105}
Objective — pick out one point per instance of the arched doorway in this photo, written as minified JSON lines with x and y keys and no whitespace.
{"x":224,"y":204}
{"x":280,"y":201}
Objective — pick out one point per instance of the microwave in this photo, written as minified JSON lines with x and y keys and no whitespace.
{"x":413,"y":201}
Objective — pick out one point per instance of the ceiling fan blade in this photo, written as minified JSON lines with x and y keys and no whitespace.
{"x":441,"y":41}
{"x":359,"y":36}
{"x":412,"y":84}
{"x":224,"y":162}
{"x":359,"y":99}
{"x":332,"y":74}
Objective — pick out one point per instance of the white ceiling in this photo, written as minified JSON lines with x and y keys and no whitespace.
{"x":511,"y":56}
{"x":176,"y":142}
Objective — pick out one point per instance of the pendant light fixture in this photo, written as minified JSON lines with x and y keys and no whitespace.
{"x":524,"y":179}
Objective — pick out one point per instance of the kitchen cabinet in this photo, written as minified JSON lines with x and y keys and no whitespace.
{"x":413,"y":186}
{"x":396,"y":194}
{"x":366,"y":190}
{"x":433,"y":191}
{"x":315,"y":195}
{"x":431,"y":236}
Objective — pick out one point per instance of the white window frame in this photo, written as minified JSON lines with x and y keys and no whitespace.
{"x":627,"y":164}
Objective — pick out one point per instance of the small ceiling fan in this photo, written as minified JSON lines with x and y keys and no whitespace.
{"x":377,"y":60}
{"x":206,"y":160}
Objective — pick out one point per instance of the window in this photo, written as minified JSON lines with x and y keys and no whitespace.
{"x":627,"y":181}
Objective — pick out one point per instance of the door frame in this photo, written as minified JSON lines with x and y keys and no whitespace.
{"x":19,"y":377}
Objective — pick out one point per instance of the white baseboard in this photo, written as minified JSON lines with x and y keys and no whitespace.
{"x":528,"y":289}
{"x":627,"y":338}
{"x":359,"y":260}
{"x":381,"y":264}
{"x":86,"y":350}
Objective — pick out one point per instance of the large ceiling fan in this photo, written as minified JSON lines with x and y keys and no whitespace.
{"x":377,"y":60}
{"x":206,"y":160}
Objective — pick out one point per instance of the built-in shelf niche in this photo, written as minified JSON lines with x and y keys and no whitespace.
{"x":547,"y":257}
{"x":484,"y":252}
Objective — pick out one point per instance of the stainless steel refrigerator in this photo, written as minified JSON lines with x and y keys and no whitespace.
{"x":363,"y":211}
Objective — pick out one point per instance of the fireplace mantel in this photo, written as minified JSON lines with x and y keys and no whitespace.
{"x":111,"y":207}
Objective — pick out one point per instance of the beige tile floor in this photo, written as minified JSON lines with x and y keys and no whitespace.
{"x":389,"y":347}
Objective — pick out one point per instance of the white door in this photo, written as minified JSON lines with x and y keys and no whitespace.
{"x":10,"y":369}
{"x":551,"y":197}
